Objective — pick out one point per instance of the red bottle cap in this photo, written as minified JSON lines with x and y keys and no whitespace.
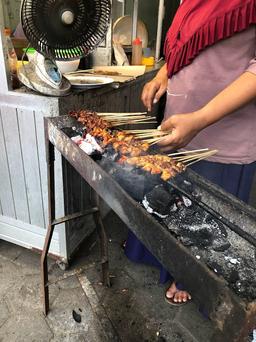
{"x":137,"y":41}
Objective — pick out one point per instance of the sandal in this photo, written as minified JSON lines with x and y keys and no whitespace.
{"x":171,"y":301}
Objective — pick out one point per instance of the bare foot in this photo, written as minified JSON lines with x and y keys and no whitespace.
{"x":177,"y":295}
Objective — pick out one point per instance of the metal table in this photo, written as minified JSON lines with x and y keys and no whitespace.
{"x":233,"y":316}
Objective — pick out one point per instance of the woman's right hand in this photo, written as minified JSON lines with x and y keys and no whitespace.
{"x":154,"y":89}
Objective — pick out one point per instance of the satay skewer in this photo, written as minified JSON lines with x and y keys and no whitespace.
{"x":193,"y":160}
{"x":130,"y":122}
{"x":187,"y":152}
{"x":196,"y":161}
{"x":121,"y":114}
{"x":195,"y":156}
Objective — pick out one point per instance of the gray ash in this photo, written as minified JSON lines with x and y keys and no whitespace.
{"x":234,"y":265}
{"x":193,"y":226}
{"x":190,"y":223}
{"x":208,"y":239}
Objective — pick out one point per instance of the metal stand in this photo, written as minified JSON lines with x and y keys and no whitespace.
{"x":234,"y":316}
{"x":94,"y":210}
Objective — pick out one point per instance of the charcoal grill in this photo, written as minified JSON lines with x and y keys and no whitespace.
{"x":234,"y":313}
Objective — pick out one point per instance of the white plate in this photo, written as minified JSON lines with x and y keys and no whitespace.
{"x":123,"y":34}
{"x":88,"y":82}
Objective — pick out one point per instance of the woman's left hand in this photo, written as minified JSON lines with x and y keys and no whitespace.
{"x":183,"y":128}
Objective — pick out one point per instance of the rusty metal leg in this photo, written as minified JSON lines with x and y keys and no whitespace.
{"x":44,"y":269}
{"x":51,"y":217}
{"x":103,"y":238}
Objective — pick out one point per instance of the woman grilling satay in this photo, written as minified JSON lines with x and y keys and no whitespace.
{"x":210,"y":79}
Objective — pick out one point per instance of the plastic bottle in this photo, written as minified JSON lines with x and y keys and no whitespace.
{"x":147,"y":58}
{"x":12,"y":59}
{"x":136,"y":51}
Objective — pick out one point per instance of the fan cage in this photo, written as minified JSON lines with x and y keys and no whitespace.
{"x":53,"y":39}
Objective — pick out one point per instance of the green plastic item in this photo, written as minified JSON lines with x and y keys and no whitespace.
{"x":29,"y":50}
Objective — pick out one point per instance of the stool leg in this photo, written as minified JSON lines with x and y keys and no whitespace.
{"x":103,"y":239}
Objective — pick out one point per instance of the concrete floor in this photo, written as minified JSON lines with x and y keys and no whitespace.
{"x":132,"y":310}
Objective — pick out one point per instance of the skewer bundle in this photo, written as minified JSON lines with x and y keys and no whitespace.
{"x":119,"y":119}
{"x":98,"y":127}
{"x":151,"y":136}
{"x":169,"y":165}
{"x":135,"y":143}
{"x":106,"y":120}
{"x":189,"y":158}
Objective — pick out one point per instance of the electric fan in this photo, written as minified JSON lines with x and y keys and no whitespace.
{"x":60,"y":30}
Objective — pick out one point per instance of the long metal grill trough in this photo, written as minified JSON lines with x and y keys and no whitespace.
{"x":203,"y":236}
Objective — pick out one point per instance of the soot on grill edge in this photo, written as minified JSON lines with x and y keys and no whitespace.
{"x":208,"y":239}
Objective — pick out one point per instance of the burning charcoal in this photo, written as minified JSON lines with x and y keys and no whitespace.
{"x":216,"y":224}
{"x":233,"y":277}
{"x":110,"y":153}
{"x":136,"y":182}
{"x":73,"y":131}
{"x":186,"y":241}
{"x":198,"y":235}
{"x":158,"y":201}
{"x":215,"y":267}
{"x":77,"y":317}
{"x":220,"y":244}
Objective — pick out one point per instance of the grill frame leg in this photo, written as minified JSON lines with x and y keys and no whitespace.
{"x":50,"y":158}
{"x":95,"y":211}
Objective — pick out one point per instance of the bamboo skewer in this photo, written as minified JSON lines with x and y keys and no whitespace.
{"x":196,"y":161}
{"x":194,"y":155}
{"x":197,"y":158}
{"x":119,"y":119}
{"x":136,"y":122}
{"x":121,"y":114}
{"x":139,"y":131}
{"x":148,"y":135}
{"x":131,"y":119}
{"x":187,"y":152}
{"x":153,"y":141}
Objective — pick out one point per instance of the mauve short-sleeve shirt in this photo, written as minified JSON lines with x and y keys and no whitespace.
{"x":196,"y":84}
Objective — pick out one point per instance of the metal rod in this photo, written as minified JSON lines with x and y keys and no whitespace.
{"x":75,"y":216}
{"x":161,"y":11}
{"x":135,"y":19}
{"x":51,"y":217}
